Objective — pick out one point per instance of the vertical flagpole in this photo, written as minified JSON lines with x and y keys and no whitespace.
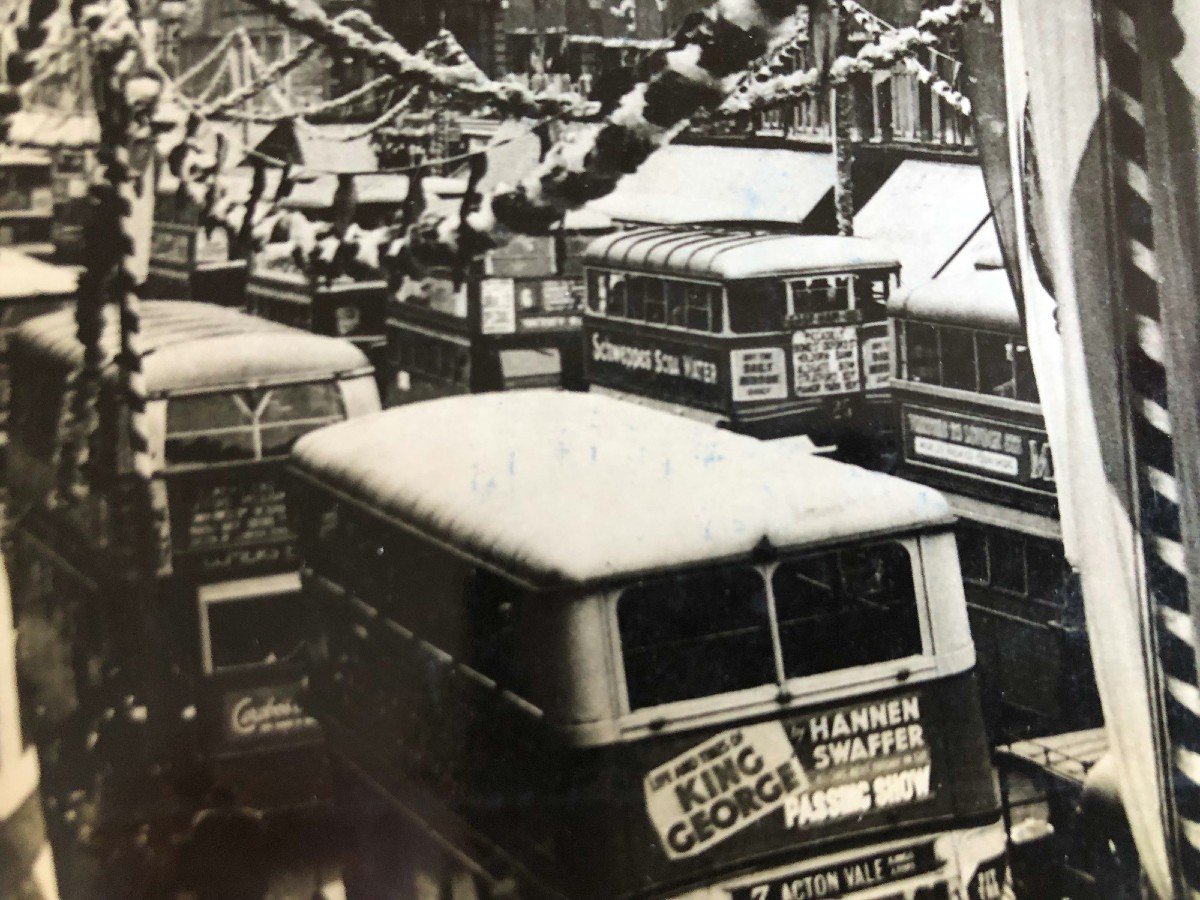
{"x":1153,"y":433}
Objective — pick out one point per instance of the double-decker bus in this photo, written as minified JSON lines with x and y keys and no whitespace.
{"x":510,"y":322}
{"x":196,"y":681}
{"x":970,"y":424}
{"x":595,"y":650}
{"x":765,"y":333}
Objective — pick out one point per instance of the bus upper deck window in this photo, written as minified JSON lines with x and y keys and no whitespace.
{"x":921,"y":353}
{"x":1023,"y":364}
{"x":656,"y":302}
{"x":695,"y":635}
{"x":618,"y":295}
{"x":995,"y":365}
{"x":757,"y":306}
{"x":675,"y":296}
{"x":597,"y":291}
{"x":209,"y":428}
{"x":812,"y":295}
{"x":703,"y":304}
{"x":635,"y":297}
{"x":958,"y":359}
{"x":246,"y":425}
{"x":846,"y":608}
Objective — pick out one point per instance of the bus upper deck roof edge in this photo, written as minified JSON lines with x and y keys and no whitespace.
{"x":732,"y":255}
{"x":567,"y":490}
{"x":973,"y":298}
{"x":188,"y":345}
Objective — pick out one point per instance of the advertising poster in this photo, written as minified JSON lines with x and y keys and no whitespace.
{"x":260,"y":714}
{"x":979,"y":447}
{"x":229,"y":525}
{"x":664,"y":370}
{"x":877,"y":362}
{"x":758,"y":374}
{"x":853,"y":762}
{"x":498,"y":303}
{"x":825,"y":361}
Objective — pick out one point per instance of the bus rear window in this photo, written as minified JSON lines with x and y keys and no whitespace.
{"x":846,"y":608}
{"x":695,"y":635}
{"x":247,"y":425}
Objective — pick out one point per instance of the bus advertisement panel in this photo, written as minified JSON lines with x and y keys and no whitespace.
{"x":648,"y":364}
{"x":978,"y":448}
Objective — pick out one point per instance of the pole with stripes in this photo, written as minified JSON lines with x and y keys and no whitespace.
{"x":1163,"y":431}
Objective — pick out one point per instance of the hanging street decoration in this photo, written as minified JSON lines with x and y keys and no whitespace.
{"x":876,"y":28}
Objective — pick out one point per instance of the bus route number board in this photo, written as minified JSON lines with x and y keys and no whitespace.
{"x":825,"y":361}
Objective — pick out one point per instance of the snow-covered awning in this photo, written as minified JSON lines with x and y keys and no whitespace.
{"x":684,"y":183}
{"x":23,"y":156}
{"x":53,"y":129}
{"x":924,"y":212}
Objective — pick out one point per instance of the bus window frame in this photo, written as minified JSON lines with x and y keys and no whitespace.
{"x":800,"y":691}
{"x":238,"y":590}
{"x":1015,"y":344}
{"x":233,"y":390}
{"x":601,"y":310}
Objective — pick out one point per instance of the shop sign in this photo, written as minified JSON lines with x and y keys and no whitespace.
{"x":264,"y":713}
{"x":498,"y":306}
{"x":825,"y":361}
{"x":758,"y":374}
{"x":850,"y":763}
{"x":843,"y":878}
{"x":665,"y":370}
{"x":978,"y":446}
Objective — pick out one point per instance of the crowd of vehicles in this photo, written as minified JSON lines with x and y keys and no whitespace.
{"x":557,"y":634}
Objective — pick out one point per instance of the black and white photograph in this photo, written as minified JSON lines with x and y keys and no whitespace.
{"x":599,"y":449}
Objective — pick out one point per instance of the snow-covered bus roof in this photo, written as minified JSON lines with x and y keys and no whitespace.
{"x":558,"y":488}
{"x":196,"y":346}
{"x":729,"y":255}
{"x":27,"y":276}
{"x":973,"y":298}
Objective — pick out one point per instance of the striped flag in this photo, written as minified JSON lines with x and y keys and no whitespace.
{"x":1087,"y":272}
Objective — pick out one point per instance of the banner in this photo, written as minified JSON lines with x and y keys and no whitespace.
{"x":1067,"y":274}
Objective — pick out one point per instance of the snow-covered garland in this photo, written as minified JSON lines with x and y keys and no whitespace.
{"x":465,"y":82}
{"x":31,"y":37}
{"x":888,"y":50}
{"x":876,"y":28}
{"x":709,"y":57}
